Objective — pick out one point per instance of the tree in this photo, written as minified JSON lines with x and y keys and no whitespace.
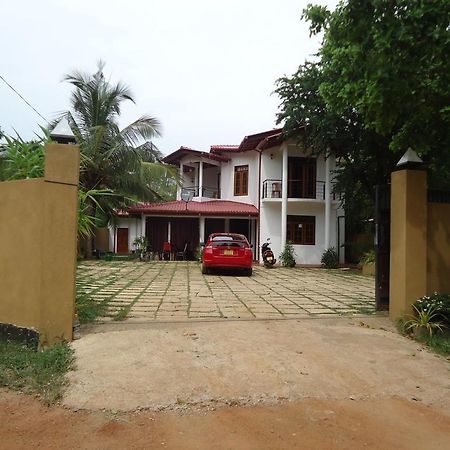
{"x":114,"y":159}
{"x":389,"y":61}
{"x":379,"y":85}
{"x":364,"y":156}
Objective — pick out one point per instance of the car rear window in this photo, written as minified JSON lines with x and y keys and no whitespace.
{"x":229,"y":241}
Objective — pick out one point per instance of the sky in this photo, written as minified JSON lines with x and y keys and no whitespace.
{"x":206,"y":69}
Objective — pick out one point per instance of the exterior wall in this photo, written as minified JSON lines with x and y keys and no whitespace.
{"x":438,"y":251}
{"x":227,"y":177}
{"x":38,"y":236}
{"x":102,"y":239}
{"x":270,"y":210}
{"x":270,"y":223}
{"x":134,"y":225}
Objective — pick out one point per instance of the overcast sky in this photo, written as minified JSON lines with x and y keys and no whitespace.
{"x":206,"y":69}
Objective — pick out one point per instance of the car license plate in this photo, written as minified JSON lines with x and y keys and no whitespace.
{"x":269,"y":258}
{"x":228,"y":252}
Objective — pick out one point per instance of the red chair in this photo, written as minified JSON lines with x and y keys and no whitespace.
{"x":167,"y":251}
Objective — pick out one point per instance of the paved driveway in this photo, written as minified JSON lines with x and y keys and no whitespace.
{"x":169,"y":291}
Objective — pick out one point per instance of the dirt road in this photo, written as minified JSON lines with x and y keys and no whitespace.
{"x":308,"y":424}
{"x":342,"y":383}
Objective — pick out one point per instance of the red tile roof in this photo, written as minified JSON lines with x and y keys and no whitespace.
{"x":209,"y":208}
{"x":260,"y":141}
{"x":251,"y":141}
{"x":174,"y":157}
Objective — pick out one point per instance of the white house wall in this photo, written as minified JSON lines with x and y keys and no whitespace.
{"x":270,"y":225}
{"x":251,"y":159}
{"x":134,"y":225}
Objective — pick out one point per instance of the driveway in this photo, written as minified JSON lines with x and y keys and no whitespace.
{"x":176,"y":291}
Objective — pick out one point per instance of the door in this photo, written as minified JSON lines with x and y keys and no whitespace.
{"x":301,"y":177}
{"x":122,"y":240}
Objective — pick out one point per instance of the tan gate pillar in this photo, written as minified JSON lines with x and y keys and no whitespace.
{"x":408,"y":260}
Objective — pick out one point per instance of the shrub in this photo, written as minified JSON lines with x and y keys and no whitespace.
{"x":440,"y":303}
{"x":368,"y":257}
{"x":287,"y":256}
{"x":425,"y":320}
{"x":330,"y":259}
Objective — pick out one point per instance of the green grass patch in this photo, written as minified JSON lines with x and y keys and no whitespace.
{"x":42,"y":373}
{"x":440,"y":343}
{"x":88,"y":309}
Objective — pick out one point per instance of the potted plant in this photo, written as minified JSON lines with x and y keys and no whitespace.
{"x":367,"y":263}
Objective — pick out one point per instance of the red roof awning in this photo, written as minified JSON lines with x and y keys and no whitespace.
{"x":209,"y":208}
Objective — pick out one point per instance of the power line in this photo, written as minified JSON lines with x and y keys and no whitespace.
{"x":28,"y":103}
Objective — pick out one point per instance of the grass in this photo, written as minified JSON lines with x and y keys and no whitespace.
{"x":42,"y":373}
{"x":440,"y":343}
{"x":88,"y":309}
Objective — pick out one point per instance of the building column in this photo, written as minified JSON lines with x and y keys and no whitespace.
{"x":201,"y":222}
{"x":200,"y":179}
{"x":143,"y":225}
{"x":227,"y":225}
{"x":327,"y":199}
{"x":179,"y":188}
{"x":168,"y":230}
{"x":284,"y":196}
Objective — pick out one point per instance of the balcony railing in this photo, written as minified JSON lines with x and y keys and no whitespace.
{"x":272,"y":188}
{"x":207,"y":192}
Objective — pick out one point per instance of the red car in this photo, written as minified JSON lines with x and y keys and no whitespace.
{"x":227,"y":251}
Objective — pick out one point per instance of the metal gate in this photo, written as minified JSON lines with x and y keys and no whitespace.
{"x":382,"y":246}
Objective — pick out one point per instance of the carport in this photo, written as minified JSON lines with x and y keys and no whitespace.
{"x":183,"y":224}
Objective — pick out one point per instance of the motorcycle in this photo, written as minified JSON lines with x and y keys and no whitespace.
{"x":267,"y":254}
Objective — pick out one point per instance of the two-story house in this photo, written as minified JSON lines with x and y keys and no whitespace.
{"x":265,"y":187}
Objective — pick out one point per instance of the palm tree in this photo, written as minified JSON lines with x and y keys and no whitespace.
{"x":123,"y":161}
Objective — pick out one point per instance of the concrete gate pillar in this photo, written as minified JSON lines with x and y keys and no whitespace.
{"x":408,"y":260}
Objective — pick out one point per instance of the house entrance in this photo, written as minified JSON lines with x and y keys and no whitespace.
{"x":122,"y":240}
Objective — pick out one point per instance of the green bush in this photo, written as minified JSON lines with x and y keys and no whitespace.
{"x":368,"y":257}
{"x":440,"y":303}
{"x":287,"y":256}
{"x":330,"y":259}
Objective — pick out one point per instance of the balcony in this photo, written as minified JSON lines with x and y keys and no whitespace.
{"x":207,"y":192}
{"x":297,"y":189}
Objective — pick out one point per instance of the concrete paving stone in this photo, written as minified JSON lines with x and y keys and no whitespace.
{"x":176,"y":287}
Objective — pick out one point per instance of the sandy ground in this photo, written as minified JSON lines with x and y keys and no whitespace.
{"x":309,"y":424}
{"x":307,"y":384}
{"x":177,"y":366}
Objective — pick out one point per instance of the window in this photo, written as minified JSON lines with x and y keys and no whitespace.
{"x":301,"y":177}
{"x":301,"y":230}
{"x":241,"y":180}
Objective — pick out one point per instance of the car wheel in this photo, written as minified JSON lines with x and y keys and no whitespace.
{"x":205,"y":270}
